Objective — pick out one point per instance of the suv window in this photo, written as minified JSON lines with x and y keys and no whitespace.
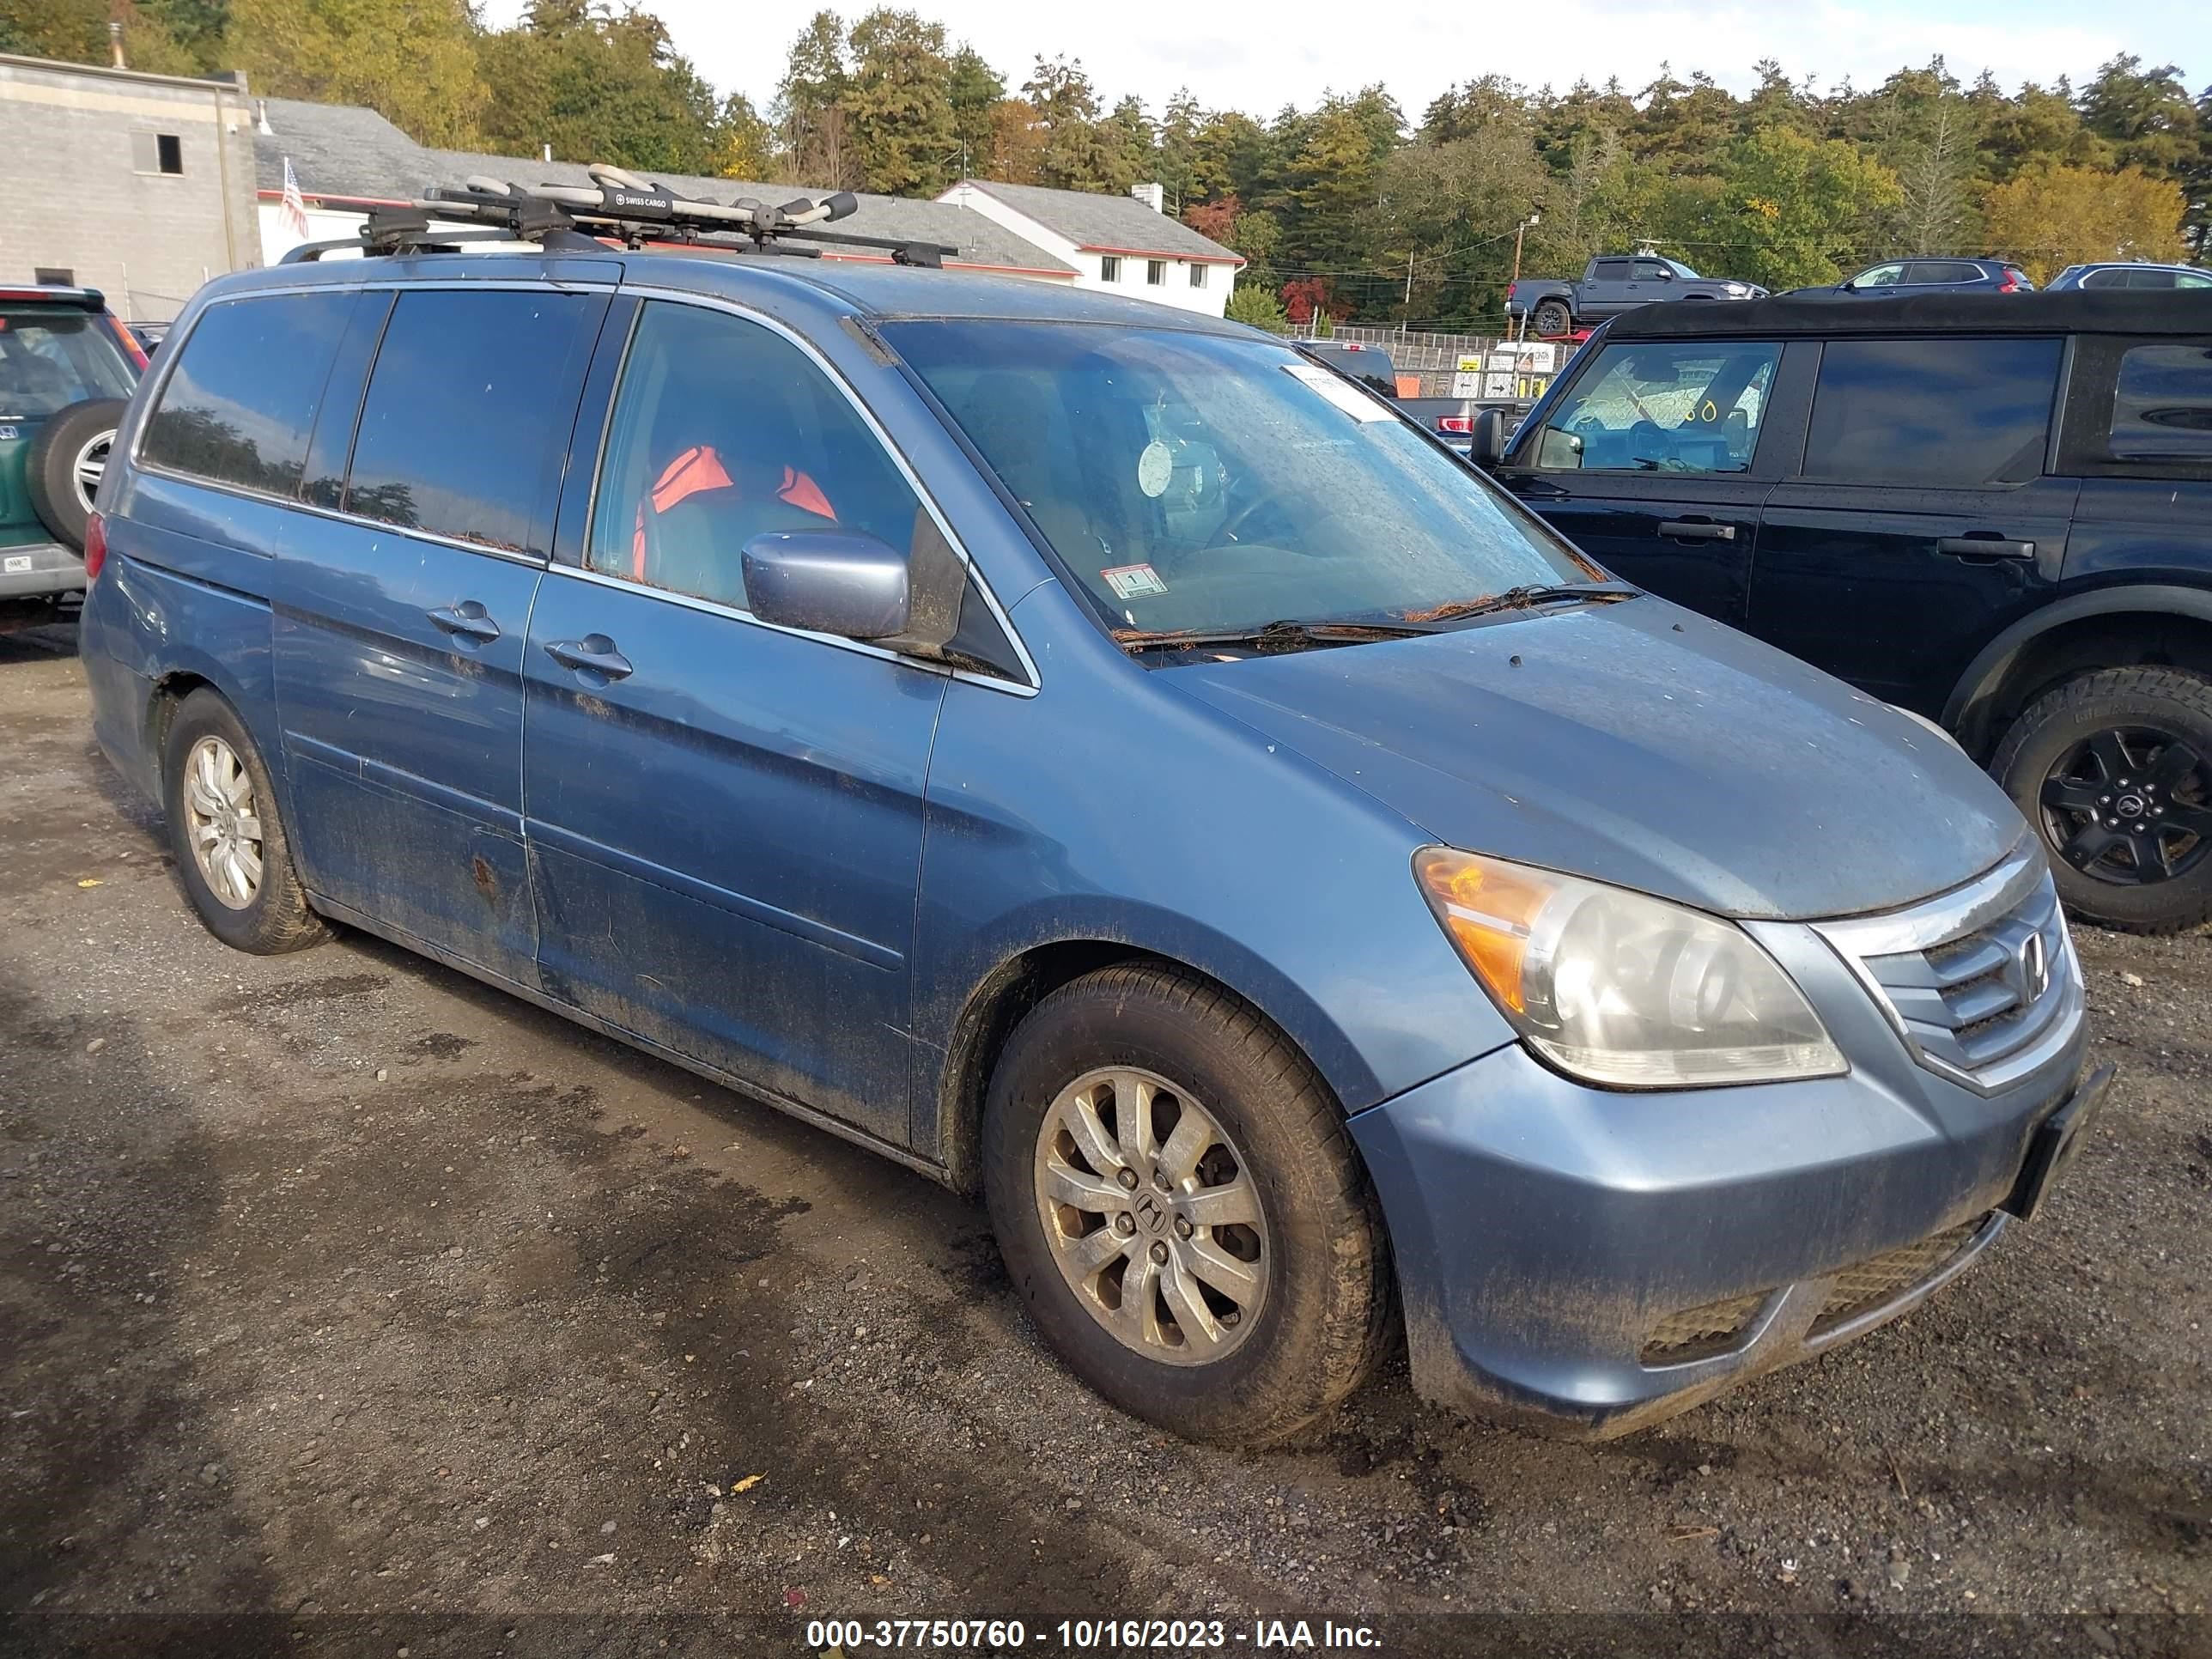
{"x":1940,"y":270}
{"x":724,"y":430}
{"x":1609,"y":271}
{"x":1880,"y":276}
{"x":468,"y":411}
{"x":2162,"y":404}
{"x":50,"y":358}
{"x":1653,"y":270}
{"x":1692,"y":407}
{"x":239,"y":404}
{"x":1942,"y":413}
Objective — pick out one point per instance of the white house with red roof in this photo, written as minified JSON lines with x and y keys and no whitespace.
{"x":1117,"y":244}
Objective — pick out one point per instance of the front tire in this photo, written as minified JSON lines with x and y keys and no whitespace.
{"x":1181,"y":1208}
{"x":2114,"y":769}
{"x":233,"y":854}
{"x":1552,"y":319}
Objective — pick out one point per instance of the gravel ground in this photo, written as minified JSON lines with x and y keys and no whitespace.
{"x":350,"y":1306}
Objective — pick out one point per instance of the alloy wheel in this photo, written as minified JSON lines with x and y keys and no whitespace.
{"x":1153,"y":1216}
{"x":224,"y":827}
{"x":90,"y":466}
{"x":2130,"y":806}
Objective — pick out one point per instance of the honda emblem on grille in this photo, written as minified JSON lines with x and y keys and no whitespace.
{"x":2033,"y":963}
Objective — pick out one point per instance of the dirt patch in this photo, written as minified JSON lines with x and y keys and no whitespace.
{"x":534,"y":1345}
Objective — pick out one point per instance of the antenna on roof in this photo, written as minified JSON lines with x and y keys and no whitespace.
{"x":618,"y":206}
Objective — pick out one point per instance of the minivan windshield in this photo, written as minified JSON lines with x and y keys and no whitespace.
{"x":1211,"y":483}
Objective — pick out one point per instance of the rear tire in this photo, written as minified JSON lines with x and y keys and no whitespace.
{"x":232,"y":852}
{"x":1553,"y":318}
{"x":67,"y":458}
{"x":2114,"y":769}
{"x":1256,"y":1280}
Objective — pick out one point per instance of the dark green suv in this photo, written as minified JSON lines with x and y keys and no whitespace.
{"x":67,"y":366}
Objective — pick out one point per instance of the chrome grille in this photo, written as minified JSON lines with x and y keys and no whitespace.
{"x":1981,"y":982}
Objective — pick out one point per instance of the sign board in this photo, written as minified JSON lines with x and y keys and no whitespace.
{"x":1517,"y":368}
{"x":1467,"y":380}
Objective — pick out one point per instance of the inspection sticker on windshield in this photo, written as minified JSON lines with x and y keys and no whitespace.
{"x":1133,"y":581}
{"x":1338,"y":390}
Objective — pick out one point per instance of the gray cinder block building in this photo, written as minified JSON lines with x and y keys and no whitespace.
{"x":140,"y":186}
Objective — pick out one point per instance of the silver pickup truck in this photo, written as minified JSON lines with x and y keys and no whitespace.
{"x":1610,"y":284}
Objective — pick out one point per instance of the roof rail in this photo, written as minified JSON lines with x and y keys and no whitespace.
{"x":618,"y":206}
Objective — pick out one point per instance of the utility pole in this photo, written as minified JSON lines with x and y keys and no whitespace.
{"x":1519,"y":231}
{"x":1409,"y":291}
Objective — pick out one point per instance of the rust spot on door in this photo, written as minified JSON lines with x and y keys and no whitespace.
{"x":486,"y":884}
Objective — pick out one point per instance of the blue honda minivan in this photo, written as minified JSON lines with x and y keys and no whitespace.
{"x":1090,"y":754}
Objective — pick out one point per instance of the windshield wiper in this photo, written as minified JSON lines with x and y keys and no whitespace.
{"x":1274,"y":637}
{"x":1521,"y":598}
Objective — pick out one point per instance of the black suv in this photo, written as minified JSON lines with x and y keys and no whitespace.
{"x":1996,"y":512}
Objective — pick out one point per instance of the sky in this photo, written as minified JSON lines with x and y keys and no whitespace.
{"x":1248,"y":55}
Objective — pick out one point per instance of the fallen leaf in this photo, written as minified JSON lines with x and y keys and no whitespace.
{"x":747,"y":1484}
{"x":89,"y":881}
{"x":794,"y":1598}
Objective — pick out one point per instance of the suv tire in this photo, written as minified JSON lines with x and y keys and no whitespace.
{"x":2107,"y":752}
{"x":1308,"y":1303}
{"x":233,"y":855}
{"x":56,"y":471}
{"x":1553,"y":318}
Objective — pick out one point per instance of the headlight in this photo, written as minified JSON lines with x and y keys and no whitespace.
{"x":1622,"y":989}
{"x":1737,"y":287}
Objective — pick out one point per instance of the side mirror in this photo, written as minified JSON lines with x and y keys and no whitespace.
{"x":1664,"y":275}
{"x":1486,"y":444}
{"x":828,"y":581}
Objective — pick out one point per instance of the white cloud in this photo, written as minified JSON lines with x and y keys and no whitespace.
{"x":1257,"y":57}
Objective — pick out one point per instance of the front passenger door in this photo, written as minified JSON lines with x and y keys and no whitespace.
{"x":725,"y":815}
{"x":1652,"y":462}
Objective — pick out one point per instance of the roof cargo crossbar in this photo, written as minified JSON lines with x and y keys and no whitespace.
{"x":617,"y":207}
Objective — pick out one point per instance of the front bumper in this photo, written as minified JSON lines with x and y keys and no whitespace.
{"x":39,"y":568}
{"x":1593,"y":1261}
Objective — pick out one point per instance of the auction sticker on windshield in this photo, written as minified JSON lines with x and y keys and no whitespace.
{"x":1338,"y":390}
{"x":1133,"y":581}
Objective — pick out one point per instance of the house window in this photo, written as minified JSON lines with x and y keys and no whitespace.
{"x":1109,"y":269}
{"x":157,"y":152}
{"x":1198,"y":275}
{"x":1156,"y":271}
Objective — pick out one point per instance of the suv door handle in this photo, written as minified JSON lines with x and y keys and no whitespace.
{"x":594,"y":653}
{"x":1984,"y":547}
{"x":1697,"y":530}
{"x":468,"y":619}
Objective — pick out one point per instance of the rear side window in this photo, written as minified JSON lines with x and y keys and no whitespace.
{"x":1609,"y":271}
{"x":468,"y":411}
{"x":1943,"y":414}
{"x":238,"y":405}
{"x":50,"y":358}
{"x":2162,"y":404}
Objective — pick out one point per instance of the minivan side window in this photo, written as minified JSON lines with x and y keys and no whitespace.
{"x":239,"y":404}
{"x":2162,"y":404}
{"x":723,"y":430}
{"x":467,"y":415}
{"x":1941,"y":414}
{"x":1692,"y":406}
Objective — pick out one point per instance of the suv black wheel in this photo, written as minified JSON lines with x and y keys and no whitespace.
{"x":67,"y":461}
{"x":1181,"y":1208}
{"x":232,"y":852}
{"x":1553,"y":318}
{"x":2115,"y":769}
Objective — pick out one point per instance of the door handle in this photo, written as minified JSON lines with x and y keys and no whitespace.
{"x":468,"y":619}
{"x":594,"y":653}
{"x":1697,"y":530}
{"x":1984,"y":547}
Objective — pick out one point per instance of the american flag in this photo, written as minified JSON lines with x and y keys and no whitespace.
{"x":295,"y":209}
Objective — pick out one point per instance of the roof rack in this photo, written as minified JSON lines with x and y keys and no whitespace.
{"x":618,"y":206}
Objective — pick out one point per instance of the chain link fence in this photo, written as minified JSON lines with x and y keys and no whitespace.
{"x":1434,"y":359}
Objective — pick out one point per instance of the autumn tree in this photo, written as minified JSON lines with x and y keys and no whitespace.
{"x":744,"y":145}
{"x":810,"y":105}
{"x":975,"y":89}
{"x":598,"y":85}
{"x":1798,"y":210}
{"x":2049,"y":217}
{"x":413,"y":62}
